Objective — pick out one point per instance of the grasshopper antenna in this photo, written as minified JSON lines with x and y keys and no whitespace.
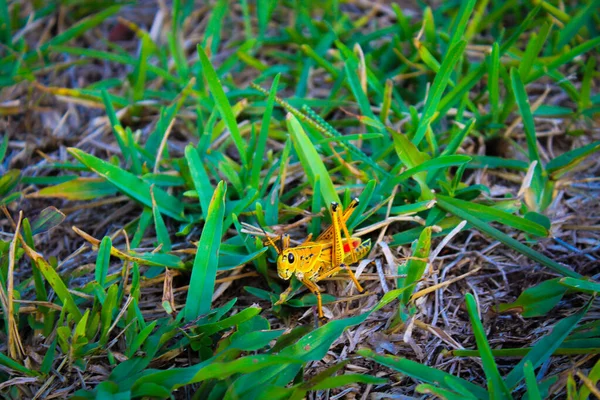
{"x":271,"y":242}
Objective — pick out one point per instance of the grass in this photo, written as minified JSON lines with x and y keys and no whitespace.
{"x":144,"y":148}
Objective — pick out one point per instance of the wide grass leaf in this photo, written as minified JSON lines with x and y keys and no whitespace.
{"x":537,"y":300}
{"x":204,"y":271}
{"x":581,"y":285}
{"x":131,"y":185}
{"x":311,"y":161}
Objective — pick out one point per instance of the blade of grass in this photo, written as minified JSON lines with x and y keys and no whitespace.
{"x":204,"y":271}
{"x":103,"y":260}
{"x":461,"y":20}
{"x":311,"y":160}
{"x":565,"y":162}
{"x":437,"y":89}
{"x":577,"y":22}
{"x":507,"y":240}
{"x":544,"y":348}
{"x":533,"y":391}
{"x":501,"y":216}
{"x":200,"y":177}
{"x":423,"y":373}
{"x":525,"y":110}
{"x":496,"y":385}
{"x":54,"y":280}
{"x":533,"y":49}
{"x":222,"y":103}
{"x":261,"y":143}
{"x":416,"y":265}
{"x":131,"y":185}
{"x":79,"y":189}
{"x":563,"y":59}
{"x":85,"y":25}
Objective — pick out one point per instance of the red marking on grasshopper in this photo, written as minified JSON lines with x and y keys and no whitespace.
{"x":355,"y":244}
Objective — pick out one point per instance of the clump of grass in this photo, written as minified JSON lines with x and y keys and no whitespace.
{"x":166,"y":137}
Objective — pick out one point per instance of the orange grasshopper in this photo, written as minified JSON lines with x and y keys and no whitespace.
{"x":322,"y":258}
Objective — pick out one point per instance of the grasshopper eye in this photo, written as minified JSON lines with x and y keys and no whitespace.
{"x":291,"y":258}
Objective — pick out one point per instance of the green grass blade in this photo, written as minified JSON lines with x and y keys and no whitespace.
{"x":493,"y":86}
{"x":131,"y":185}
{"x":533,"y":49}
{"x":525,"y":110}
{"x":49,"y":218}
{"x":422,"y":372}
{"x":261,"y":143}
{"x":544,"y":348}
{"x":442,"y":78}
{"x":565,"y":162}
{"x":351,"y":68}
{"x":431,"y":166}
{"x":347,"y":379}
{"x":311,"y":160}
{"x":501,"y":216}
{"x":533,"y":391}
{"x":577,"y":22}
{"x":106,"y":314}
{"x":537,"y":300}
{"x":55,"y":281}
{"x":79,"y":189}
{"x":222,"y":103}
{"x":3,"y":146}
{"x":462,"y":19}
{"x":212,"y":34}
{"x":12,"y":364}
{"x":594,"y":376}
{"x":416,"y":265}
{"x":103,"y":260}
{"x":141,"y":68}
{"x":495,"y":383}
{"x":507,"y":240}
{"x":411,"y":157}
{"x":204,"y":271}
{"x":200,"y":178}
{"x":162,"y":233}
{"x":581,"y":285}
{"x":563,"y":59}
{"x":79,"y":28}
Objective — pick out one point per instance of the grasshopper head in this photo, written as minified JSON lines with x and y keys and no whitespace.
{"x":286,"y":257}
{"x":286,"y":264}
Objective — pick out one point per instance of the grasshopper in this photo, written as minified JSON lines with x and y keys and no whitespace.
{"x":313,"y":261}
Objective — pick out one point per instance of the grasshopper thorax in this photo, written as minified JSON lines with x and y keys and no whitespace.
{"x":286,"y":264}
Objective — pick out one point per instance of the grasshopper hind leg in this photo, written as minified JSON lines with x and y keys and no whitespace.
{"x":353,"y":277}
